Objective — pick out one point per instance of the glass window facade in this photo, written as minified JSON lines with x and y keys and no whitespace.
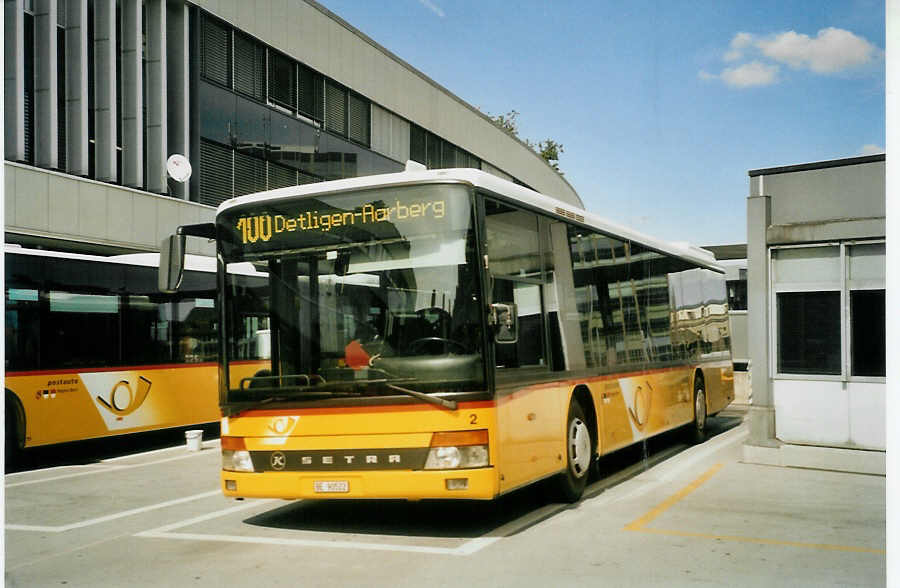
{"x":433,"y":152}
{"x":264,"y":129}
{"x":814,"y":335}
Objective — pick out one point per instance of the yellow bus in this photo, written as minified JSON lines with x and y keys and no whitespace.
{"x":449,"y":334}
{"x":93,"y":348}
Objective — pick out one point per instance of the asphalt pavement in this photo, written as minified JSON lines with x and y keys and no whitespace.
{"x":662,"y":514}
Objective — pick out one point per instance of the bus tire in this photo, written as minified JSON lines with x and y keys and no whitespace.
{"x":697,"y":430}
{"x":14,"y":426}
{"x":579,"y":455}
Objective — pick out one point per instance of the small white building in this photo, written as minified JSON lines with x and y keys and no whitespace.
{"x":816,"y":292}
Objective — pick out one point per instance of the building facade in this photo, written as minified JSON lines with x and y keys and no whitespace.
{"x":257,"y":94}
{"x":816,"y":295}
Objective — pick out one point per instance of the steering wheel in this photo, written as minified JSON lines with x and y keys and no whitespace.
{"x":430,"y":343}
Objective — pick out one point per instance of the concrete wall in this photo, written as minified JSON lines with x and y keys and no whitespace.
{"x":55,"y":205}
{"x":313,"y":35}
{"x":831,"y":203}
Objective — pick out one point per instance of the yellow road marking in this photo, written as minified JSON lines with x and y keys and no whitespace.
{"x":640,"y":524}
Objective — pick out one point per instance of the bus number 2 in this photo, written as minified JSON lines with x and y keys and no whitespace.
{"x":473,"y":419}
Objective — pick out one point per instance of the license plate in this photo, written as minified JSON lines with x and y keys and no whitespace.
{"x":331,"y":486}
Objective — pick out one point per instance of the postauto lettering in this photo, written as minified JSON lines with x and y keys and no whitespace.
{"x":264,"y":226}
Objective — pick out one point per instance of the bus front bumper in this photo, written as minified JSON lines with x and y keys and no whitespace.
{"x":471,"y":484}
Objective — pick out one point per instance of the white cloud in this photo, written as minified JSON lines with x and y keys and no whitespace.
{"x":833,"y":50}
{"x":738,"y":45}
{"x":871,"y":149}
{"x":433,"y":7}
{"x":750,"y":74}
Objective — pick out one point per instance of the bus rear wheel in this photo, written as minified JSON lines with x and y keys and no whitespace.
{"x":579,"y":455}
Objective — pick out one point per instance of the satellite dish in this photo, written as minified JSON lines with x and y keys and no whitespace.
{"x":179,"y":167}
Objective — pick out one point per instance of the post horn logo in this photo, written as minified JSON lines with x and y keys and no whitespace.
{"x":639,"y":411}
{"x":123,"y":400}
{"x":283,"y":425}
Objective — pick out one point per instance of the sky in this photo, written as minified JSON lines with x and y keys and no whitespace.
{"x":661,"y":107}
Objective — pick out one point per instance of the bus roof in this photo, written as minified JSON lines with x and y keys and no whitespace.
{"x":496,"y":186}
{"x":197,"y":263}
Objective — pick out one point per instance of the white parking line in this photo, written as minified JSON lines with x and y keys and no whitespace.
{"x":166,"y":532}
{"x":102,"y":470}
{"x":110,"y":517}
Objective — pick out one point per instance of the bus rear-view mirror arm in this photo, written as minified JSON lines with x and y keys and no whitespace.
{"x":171,"y":254}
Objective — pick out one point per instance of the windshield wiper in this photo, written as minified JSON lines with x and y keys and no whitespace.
{"x":285,"y":393}
{"x":449,"y":404}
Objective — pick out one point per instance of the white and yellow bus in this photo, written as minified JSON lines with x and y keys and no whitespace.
{"x":449,"y":334}
{"x":93,"y":349}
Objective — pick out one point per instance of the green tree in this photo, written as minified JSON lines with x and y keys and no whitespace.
{"x":548,"y":149}
{"x":508,"y":122}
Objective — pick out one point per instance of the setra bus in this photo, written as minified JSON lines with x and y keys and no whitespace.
{"x":449,"y":334}
{"x":93,"y":348}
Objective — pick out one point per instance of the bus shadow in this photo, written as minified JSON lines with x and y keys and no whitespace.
{"x":508,"y":515}
{"x":463,"y":519}
{"x":93,"y":451}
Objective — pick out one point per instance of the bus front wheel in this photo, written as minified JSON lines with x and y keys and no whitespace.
{"x":697,"y":433}
{"x":579,"y":455}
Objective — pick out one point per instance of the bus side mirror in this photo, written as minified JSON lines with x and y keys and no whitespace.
{"x":171,"y":263}
{"x":505,"y":319}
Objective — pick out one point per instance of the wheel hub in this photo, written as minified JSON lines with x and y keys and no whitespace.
{"x":579,"y":447}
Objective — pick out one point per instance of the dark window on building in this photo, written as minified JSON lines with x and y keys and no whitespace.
{"x":282,"y":80}
{"x":417,"y":143}
{"x":310,"y":93}
{"x":809,"y":332}
{"x":359,"y":115}
{"x":216,"y":173}
{"x":29,"y":87}
{"x":249,"y":174}
{"x":868,"y":334}
{"x":61,"y":95}
{"x":215,"y":51}
{"x":737,"y":294}
{"x":92,"y":151}
{"x":448,"y":155}
{"x":249,"y":67}
{"x":335,"y":108}
{"x":280,"y":176}
{"x":432,"y":151}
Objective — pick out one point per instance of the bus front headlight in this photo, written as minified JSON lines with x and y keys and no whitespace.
{"x":236,"y":461}
{"x":458,"y":450}
{"x":235,"y":457}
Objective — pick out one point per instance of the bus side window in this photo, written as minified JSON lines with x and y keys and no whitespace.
{"x":23,"y":329}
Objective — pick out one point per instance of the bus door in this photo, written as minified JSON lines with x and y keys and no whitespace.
{"x":528,"y":422}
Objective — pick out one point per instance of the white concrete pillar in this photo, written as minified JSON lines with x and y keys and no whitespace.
{"x":46,"y":110}
{"x":132,"y":94}
{"x":14,"y":79}
{"x":77,"y":134}
{"x":762,"y":412}
{"x":178,"y":86}
{"x":105,"y":110}
{"x":157,"y":104}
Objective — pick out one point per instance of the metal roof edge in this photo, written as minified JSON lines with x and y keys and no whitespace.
{"x":816,"y":165}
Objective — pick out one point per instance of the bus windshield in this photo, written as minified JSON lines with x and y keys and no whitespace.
{"x":368,"y":294}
